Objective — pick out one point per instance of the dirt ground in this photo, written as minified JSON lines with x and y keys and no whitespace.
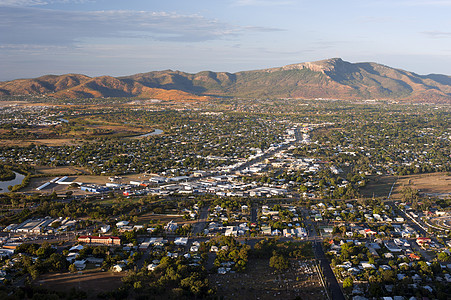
{"x":379,"y":186}
{"x":430,"y":184}
{"x":261,"y":282}
{"x":145,"y":219}
{"x":61,"y":170}
{"x":101,"y":180}
{"x":92,"y":281}
{"x":47,"y":142}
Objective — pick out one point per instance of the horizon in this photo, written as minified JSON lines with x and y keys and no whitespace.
{"x":176,"y":70}
{"x":98,"y":37}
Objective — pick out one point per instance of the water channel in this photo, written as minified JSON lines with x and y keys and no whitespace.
{"x":4,"y":184}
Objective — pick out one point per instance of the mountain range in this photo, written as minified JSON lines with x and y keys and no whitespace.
{"x":329,"y":79}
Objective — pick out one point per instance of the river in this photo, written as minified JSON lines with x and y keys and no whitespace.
{"x":155,"y":132}
{"x":4,"y":184}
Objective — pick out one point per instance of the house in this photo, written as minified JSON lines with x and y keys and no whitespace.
{"x":105,"y":229}
{"x":276,"y":232}
{"x":181,"y":241}
{"x":391,"y":246}
{"x":76,"y":248}
{"x":421,"y":241}
{"x":231,"y":231}
{"x":171,"y":226}
{"x":80,"y":264}
{"x":118,"y":268}
{"x":122,"y":223}
{"x":104,"y":240}
{"x":289,"y":232}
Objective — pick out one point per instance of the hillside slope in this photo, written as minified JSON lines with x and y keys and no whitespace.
{"x":331,"y":78}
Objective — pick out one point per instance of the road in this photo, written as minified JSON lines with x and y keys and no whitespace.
{"x":254,"y":213}
{"x":201,"y":222}
{"x":331,"y":281}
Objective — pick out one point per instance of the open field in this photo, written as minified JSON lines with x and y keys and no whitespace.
{"x":51,"y":172}
{"x":379,"y":186}
{"x":261,"y":282}
{"x":434,"y":184}
{"x":163,"y":219}
{"x":92,"y":281}
{"x":61,"y":170}
{"x":428,"y":184}
{"x":46,"y":142}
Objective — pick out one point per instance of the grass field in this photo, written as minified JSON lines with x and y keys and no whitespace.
{"x":47,"y":142}
{"x":429,"y":184}
{"x":163,"y":219}
{"x":434,"y":183}
{"x":61,"y":170}
{"x":261,"y":282}
{"x":92,"y":281}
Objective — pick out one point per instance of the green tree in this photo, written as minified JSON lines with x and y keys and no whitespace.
{"x":279,"y":262}
{"x":348,"y":283}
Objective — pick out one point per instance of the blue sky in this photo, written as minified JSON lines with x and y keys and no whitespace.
{"x":118,"y":37}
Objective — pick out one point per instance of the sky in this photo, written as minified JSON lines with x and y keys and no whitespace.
{"x":119,"y":37}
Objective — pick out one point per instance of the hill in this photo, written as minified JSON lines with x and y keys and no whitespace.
{"x":331,"y":78}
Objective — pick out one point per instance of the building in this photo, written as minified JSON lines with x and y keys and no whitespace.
{"x":104,"y":240}
{"x":92,"y":188}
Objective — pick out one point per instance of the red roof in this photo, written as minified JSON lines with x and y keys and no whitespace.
{"x":99,"y":237}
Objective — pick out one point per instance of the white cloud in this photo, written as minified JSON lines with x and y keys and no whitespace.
{"x":22,"y":2}
{"x":42,"y":26}
{"x":437,"y":34}
{"x":439,"y":3}
{"x":29,"y":25}
{"x":262,"y":3}
{"x":25,"y":3}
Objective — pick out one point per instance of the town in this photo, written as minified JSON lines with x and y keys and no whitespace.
{"x":230,"y":199}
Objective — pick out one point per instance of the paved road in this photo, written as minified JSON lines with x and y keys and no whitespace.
{"x":331,"y":282}
{"x":334,"y":287}
{"x":254,"y":213}
{"x":201,"y":222}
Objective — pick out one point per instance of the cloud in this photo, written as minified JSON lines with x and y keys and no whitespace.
{"x":428,"y":3}
{"x":41,"y":26}
{"x":437,"y":34}
{"x":37,"y":2}
{"x":22,"y":2}
{"x":262,"y":3}
{"x":439,"y":3}
{"x":262,"y":29}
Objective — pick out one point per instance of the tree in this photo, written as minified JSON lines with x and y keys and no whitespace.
{"x":72,"y":268}
{"x":279,"y":262}
{"x":348,"y":283}
{"x":443,"y":256}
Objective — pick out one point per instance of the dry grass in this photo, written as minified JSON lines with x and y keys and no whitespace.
{"x":92,"y":281}
{"x":379,"y":186}
{"x":47,"y":142}
{"x":145,"y":219}
{"x":60,"y":170}
{"x":261,"y":282}
{"x":434,"y":183}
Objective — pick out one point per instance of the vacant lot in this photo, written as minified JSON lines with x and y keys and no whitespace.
{"x":47,"y":142}
{"x":429,"y":184}
{"x":92,"y":281}
{"x":434,"y":184}
{"x":261,"y":282}
{"x":157,"y":218}
{"x":379,"y":186}
{"x":61,"y":170}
